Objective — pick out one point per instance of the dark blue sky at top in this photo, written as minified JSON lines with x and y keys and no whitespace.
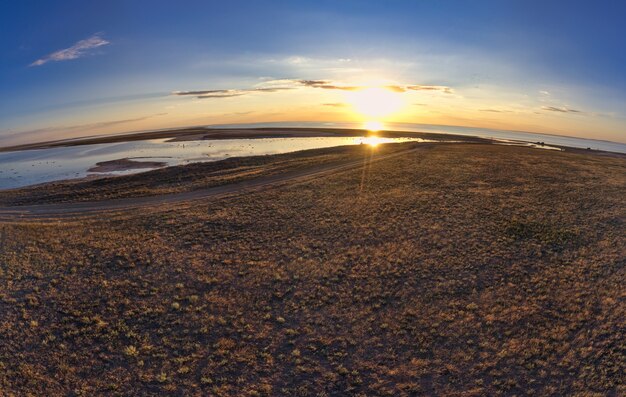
{"x":567,"y":42}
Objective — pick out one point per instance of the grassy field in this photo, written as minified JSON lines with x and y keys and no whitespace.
{"x":456,"y":270}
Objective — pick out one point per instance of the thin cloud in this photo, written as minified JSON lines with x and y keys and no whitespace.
{"x":329,"y":85}
{"x":417,"y":87}
{"x":78,"y":50}
{"x":202,"y":92}
{"x":326,"y":85}
{"x":227,"y":93}
{"x":211,"y":93}
{"x":561,"y":109}
{"x":495,"y":111}
{"x":291,"y":84}
{"x":396,"y":88}
{"x":441,"y":88}
{"x":335,"y":105}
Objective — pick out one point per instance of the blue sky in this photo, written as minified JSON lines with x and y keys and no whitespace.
{"x":73,"y":68}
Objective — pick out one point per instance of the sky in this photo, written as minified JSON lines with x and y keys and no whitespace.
{"x":80,"y":68}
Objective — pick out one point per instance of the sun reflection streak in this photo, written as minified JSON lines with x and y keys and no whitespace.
{"x":373,"y":140}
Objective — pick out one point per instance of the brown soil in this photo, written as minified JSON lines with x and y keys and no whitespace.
{"x":124,"y":165}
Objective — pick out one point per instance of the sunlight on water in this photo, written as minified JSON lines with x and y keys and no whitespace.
{"x":375,"y":140}
{"x":28,"y":167}
{"x":548,"y":139}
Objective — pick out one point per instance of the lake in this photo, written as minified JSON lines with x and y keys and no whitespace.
{"x":29,"y":167}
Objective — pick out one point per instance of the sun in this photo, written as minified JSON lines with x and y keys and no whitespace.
{"x":375,"y":102}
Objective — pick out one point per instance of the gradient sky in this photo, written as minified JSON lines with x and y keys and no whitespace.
{"x":77,"y":68}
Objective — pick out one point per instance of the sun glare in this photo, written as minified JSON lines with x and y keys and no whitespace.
{"x":373,"y":125}
{"x":375,"y":102}
{"x":373,"y":140}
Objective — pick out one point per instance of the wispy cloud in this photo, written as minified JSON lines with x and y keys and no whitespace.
{"x":330,"y":85}
{"x":290,"y":84}
{"x":228,"y":93}
{"x":326,"y":85}
{"x":561,"y":109}
{"x":76,"y":51}
{"x":441,"y":88}
{"x":495,"y":110}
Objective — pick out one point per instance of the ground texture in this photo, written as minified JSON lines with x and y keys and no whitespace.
{"x":455,"y":270}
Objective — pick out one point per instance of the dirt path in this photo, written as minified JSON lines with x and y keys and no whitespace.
{"x":81,"y":209}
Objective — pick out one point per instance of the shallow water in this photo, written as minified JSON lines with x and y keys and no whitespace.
{"x":29,"y":167}
{"x":548,"y":139}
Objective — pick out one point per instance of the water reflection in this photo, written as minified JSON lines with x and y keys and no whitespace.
{"x":28,"y":167}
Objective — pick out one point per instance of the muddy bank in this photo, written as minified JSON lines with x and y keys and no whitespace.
{"x":125,"y":165}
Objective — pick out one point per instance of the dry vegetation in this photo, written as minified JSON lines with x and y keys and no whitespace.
{"x":458,"y":270}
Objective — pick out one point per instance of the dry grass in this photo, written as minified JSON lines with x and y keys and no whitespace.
{"x":460,"y":270}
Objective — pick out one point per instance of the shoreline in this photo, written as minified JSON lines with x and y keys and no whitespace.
{"x":125,"y":164}
{"x":190,"y":134}
{"x":200,"y":134}
{"x":193,"y":176}
{"x":107,"y":169}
